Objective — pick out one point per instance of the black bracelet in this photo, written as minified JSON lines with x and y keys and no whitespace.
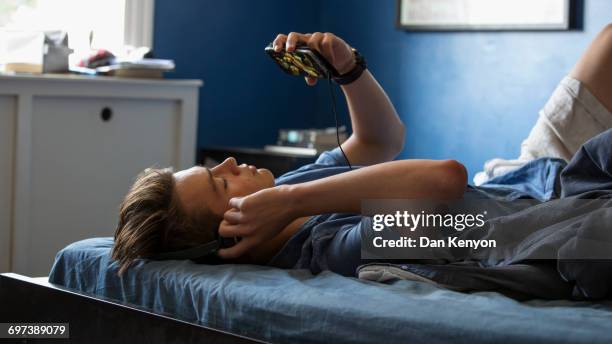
{"x":353,"y":74}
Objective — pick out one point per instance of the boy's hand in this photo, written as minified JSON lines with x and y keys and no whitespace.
{"x":256,"y":218}
{"x":335,"y":50}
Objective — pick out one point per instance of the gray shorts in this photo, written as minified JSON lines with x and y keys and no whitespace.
{"x":571,"y":116}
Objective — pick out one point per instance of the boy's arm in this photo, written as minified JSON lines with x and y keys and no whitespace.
{"x":259,"y":217}
{"x":378,"y":132}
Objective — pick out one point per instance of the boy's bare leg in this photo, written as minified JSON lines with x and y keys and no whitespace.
{"x":594,"y":68}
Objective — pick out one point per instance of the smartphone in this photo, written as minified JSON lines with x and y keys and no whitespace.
{"x":302,"y":61}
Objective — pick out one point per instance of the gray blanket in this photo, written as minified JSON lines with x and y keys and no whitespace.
{"x":565,"y":249}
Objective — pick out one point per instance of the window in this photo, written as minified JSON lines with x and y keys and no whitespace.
{"x":108,"y":24}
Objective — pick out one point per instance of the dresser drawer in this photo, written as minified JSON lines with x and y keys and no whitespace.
{"x":85,"y":153}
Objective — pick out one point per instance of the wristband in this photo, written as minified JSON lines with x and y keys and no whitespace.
{"x":355,"y":73}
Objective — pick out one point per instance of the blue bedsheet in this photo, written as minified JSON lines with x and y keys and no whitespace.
{"x":295,"y":306}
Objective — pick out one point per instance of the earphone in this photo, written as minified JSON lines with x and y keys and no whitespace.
{"x":206,"y":252}
{"x":333,"y":98}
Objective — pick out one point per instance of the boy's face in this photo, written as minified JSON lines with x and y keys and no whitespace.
{"x":199,"y":187}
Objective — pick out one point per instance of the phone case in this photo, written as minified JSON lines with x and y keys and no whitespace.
{"x":302,"y":61}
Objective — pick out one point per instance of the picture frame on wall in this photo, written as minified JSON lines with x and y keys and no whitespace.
{"x":483,"y":15}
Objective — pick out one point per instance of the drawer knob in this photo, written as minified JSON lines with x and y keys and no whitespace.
{"x":106,"y":114}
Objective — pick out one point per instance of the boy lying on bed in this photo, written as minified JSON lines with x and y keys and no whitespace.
{"x":309,"y":218}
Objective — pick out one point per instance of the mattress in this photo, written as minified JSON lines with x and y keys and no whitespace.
{"x":294,"y":305}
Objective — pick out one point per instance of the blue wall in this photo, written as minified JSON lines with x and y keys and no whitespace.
{"x":470,"y":96}
{"x":245,"y":98}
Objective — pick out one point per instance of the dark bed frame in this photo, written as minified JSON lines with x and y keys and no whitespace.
{"x":34,"y":300}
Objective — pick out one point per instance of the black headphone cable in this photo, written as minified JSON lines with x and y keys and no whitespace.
{"x":333,"y":99}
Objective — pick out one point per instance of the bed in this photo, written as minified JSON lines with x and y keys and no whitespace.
{"x":275,"y":305}
{"x":181,"y":301}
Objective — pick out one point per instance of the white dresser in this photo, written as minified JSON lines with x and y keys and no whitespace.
{"x":71,"y":146}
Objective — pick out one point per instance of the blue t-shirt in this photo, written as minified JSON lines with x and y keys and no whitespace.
{"x":324,"y":242}
{"x":333,"y":241}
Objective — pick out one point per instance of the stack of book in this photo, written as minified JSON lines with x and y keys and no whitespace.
{"x":137,"y":68}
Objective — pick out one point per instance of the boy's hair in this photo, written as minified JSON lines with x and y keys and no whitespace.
{"x":152,"y":220}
